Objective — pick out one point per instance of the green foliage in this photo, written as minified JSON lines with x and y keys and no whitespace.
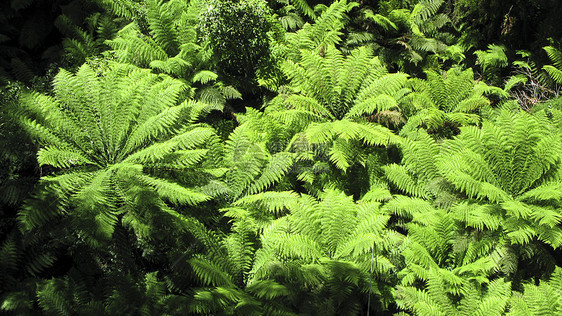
{"x":333,"y":86}
{"x":237,"y":33}
{"x":436,"y":244}
{"x":408,"y":38}
{"x":539,"y":299}
{"x":324,"y":32}
{"x":445,"y":102}
{"x":513,"y":163}
{"x":170,"y":26}
{"x":346,"y":91}
{"x":171,"y":47}
{"x":96,"y":130}
{"x":477,"y":300}
{"x":491,"y":62}
{"x":82,"y":44}
{"x":299,"y":252}
{"x":250,"y":167}
{"x":366,"y":169}
{"x":554,"y":71}
{"x":17,"y":155}
{"x":292,"y":14}
{"x":418,"y":169}
{"x":500,"y":180}
{"x":530,"y":84}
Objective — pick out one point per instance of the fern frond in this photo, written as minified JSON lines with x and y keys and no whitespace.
{"x":174,"y":192}
{"x":278,"y":166}
{"x":51,"y":298}
{"x":268,"y":289}
{"x":426,"y":9}
{"x":544,"y":192}
{"x":209,"y":273}
{"x":554,"y":73}
{"x":273,"y":202}
{"x":555,"y":56}
{"x":370,"y":106}
{"x":153,"y":127}
{"x":479,"y":216}
{"x":541,"y":299}
{"x":409,"y":207}
{"x":304,"y":8}
{"x":124,"y":8}
{"x":380,"y":20}
{"x":204,"y":76}
{"x":299,"y":246}
{"x":160,"y":23}
{"x":494,"y":57}
{"x":462,"y":179}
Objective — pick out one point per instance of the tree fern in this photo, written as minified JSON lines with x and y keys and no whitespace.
{"x":87,"y":41}
{"x":538,"y":299}
{"x":303,"y":246}
{"x":171,"y":47}
{"x":510,"y":194}
{"x":161,"y":16}
{"x":431,"y":247}
{"x":315,"y":233}
{"x":554,"y":70}
{"x":324,"y":32}
{"x":224,"y":270}
{"x":100,"y":133}
{"x":477,"y":299}
{"x":344,"y":90}
{"x":512,"y":167}
{"x":446,"y":102}
{"x":530,"y":84}
{"x":454,"y":277}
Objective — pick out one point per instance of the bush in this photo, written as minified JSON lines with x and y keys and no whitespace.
{"x":237,"y":33}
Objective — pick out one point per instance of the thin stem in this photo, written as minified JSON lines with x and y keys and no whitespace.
{"x":371,"y":279}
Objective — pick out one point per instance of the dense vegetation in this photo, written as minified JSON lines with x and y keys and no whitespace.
{"x":280,"y":157}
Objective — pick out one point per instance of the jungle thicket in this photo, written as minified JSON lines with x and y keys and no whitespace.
{"x":280,"y":157}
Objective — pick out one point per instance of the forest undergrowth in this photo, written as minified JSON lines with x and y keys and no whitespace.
{"x":280,"y":157}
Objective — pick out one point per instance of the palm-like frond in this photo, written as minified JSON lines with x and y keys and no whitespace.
{"x":171,"y":48}
{"x":450,"y":99}
{"x":326,"y":241}
{"x":326,"y":31}
{"x":476,"y":301}
{"x":108,"y":134}
{"x":418,"y":170}
{"x":454,"y":281}
{"x":509,"y":180}
{"x":541,"y":299}
{"x":345,"y":90}
{"x":251,"y":167}
{"x":509,"y":164}
{"x":332,"y":233}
